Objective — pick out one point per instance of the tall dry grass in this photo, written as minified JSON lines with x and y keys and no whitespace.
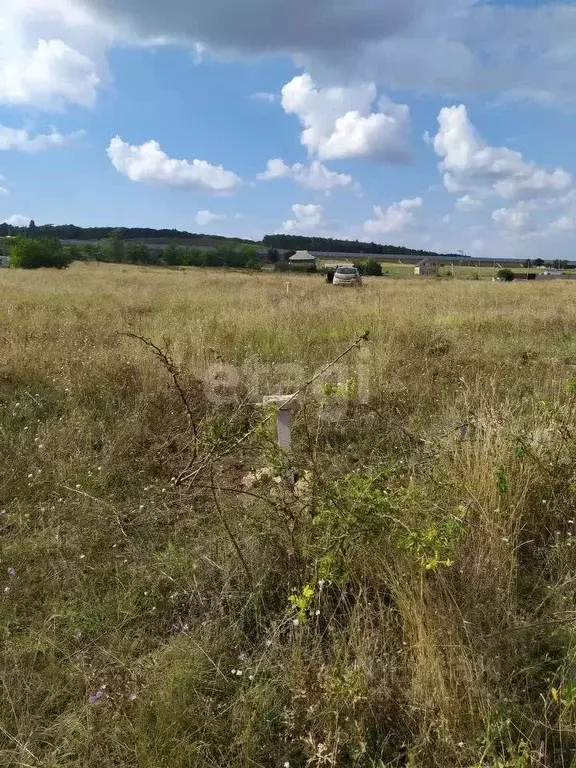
{"x":408,"y":602}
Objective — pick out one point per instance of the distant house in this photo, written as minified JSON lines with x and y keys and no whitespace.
{"x":426,"y":267}
{"x":302,"y":259}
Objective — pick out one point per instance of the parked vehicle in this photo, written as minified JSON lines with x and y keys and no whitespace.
{"x":347,"y":275}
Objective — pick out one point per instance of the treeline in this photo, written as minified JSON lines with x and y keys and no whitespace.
{"x":72,"y":232}
{"x":329,"y":245}
{"x":36,"y":252}
{"x":118,"y":251}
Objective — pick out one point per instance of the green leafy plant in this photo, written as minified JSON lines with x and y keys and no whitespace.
{"x":28,"y":253}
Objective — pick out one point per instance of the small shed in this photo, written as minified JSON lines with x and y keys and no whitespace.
{"x":426,"y":267}
{"x":302,"y":259}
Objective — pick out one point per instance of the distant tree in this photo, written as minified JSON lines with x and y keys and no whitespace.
{"x":538,"y":262}
{"x":272,"y":255}
{"x":91,"y":252}
{"x":506,"y":274}
{"x":527,"y":264}
{"x":138,"y":253}
{"x":113,"y":249}
{"x":32,"y":228}
{"x":370,"y":267}
{"x":26,"y":253}
{"x":172,"y":255}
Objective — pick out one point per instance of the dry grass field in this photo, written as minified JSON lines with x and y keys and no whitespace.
{"x":171,"y":598}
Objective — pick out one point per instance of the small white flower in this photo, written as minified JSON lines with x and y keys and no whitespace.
{"x":77,"y":485}
{"x":317,"y":613}
{"x":295,"y":622}
{"x":239,"y":673}
{"x":82,"y":557}
{"x":286,"y":764}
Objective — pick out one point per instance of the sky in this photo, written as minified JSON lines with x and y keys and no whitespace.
{"x":439,"y":124}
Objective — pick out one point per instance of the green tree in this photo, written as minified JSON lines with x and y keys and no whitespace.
{"x":370,"y":267}
{"x":113,"y":249}
{"x":506,"y":274}
{"x":26,"y":253}
{"x":538,"y":263}
{"x":173,"y":255}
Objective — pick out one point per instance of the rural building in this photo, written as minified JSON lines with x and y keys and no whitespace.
{"x":426,"y":267}
{"x":302,"y":259}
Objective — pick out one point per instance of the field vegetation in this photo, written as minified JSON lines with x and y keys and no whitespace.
{"x":176,"y":592}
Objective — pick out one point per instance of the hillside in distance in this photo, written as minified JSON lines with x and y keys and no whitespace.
{"x":160,"y":237}
{"x":147,"y":235}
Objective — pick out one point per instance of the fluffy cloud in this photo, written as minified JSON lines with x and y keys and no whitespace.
{"x":54,"y":74}
{"x":314,"y":176}
{"x":511,"y":219}
{"x":20,"y":139}
{"x":307,"y":218}
{"x":204,"y":218}
{"x":339,"y":122}
{"x":148,"y":163}
{"x":52,"y":53}
{"x":470,"y":165}
{"x":16,"y":220}
{"x":398,"y":218}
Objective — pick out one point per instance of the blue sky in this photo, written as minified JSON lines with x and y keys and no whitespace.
{"x":444,"y":124}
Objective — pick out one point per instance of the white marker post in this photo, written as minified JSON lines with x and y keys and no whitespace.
{"x":287,"y":404}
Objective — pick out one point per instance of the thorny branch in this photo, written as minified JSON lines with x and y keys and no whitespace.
{"x":169,"y":364}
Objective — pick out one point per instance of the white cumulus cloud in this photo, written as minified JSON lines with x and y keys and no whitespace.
{"x":307,"y":218}
{"x":16,"y":220}
{"x":511,"y":219}
{"x":338,"y":122}
{"x":470,"y":165}
{"x":20,"y":139}
{"x":398,"y":218}
{"x":203,"y":218}
{"x":314,"y":176}
{"x":149,"y":163}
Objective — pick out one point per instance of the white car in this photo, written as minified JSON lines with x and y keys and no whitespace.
{"x":347,"y":275}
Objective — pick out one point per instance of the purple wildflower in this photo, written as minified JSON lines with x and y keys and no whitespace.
{"x":94,"y":698}
{"x":11,"y":571}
